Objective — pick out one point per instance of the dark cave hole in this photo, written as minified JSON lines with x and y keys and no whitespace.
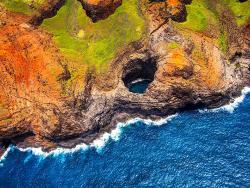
{"x":138,"y":74}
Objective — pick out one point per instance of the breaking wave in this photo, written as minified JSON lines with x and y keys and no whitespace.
{"x":3,"y":157}
{"x":98,"y":144}
{"x":115,"y":134}
{"x":231,"y":106}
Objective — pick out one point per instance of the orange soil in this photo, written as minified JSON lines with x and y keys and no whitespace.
{"x":207,"y":71}
{"x":29,"y":67}
{"x":101,"y":2}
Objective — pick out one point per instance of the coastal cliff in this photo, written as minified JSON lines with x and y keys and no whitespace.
{"x":66,"y":76}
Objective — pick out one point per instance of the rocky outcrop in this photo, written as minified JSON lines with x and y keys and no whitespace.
{"x":95,"y":9}
{"x":30,"y":69}
{"x":100,"y":9}
{"x":170,"y":9}
{"x":176,"y":9}
{"x":48,"y":10}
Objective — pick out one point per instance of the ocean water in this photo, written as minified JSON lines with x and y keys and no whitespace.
{"x":203,"y":148}
{"x":139,"y":87}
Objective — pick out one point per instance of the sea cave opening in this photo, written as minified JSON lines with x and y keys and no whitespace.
{"x":138,"y":74}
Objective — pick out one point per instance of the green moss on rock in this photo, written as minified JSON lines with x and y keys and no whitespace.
{"x":223,"y":42}
{"x":173,"y":45}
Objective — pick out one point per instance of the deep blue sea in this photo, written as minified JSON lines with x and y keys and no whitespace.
{"x":194,"y":149}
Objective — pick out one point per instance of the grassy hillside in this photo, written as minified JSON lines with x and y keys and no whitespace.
{"x":91,"y":43}
{"x":241,"y":11}
{"x":202,"y":14}
{"x":199,"y":16}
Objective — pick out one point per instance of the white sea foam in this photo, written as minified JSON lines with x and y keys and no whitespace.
{"x":3,"y":157}
{"x":55,"y":152}
{"x":116,"y":133}
{"x":98,"y":144}
{"x":231,"y":106}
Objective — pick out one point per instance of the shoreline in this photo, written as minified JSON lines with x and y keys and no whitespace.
{"x":115,"y":133}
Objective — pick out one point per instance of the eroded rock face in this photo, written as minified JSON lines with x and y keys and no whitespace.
{"x":48,"y":10}
{"x":34,"y":110}
{"x":173,"y":9}
{"x":30,"y":68}
{"x":177,"y":10}
{"x":95,"y":9}
{"x":100,"y":9}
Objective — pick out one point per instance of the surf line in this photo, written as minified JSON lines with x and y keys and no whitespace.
{"x":115,"y":134}
{"x":98,"y":143}
{"x":3,"y":157}
{"x":231,"y":106}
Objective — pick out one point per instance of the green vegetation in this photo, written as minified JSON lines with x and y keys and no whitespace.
{"x":199,"y":16}
{"x":173,"y":45}
{"x":237,"y":65}
{"x":8,"y":120}
{"x":203,"y":16}
{"x":94,"y":43}
{"x":203,"y":13}
{"x":240,"y":10}
{"x":223,"y":42}
{"x":23,"y":6}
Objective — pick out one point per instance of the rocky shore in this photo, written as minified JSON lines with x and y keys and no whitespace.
{"x":184,"y":70}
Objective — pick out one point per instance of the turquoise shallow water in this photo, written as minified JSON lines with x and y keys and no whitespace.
{"x":194,"y":149}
